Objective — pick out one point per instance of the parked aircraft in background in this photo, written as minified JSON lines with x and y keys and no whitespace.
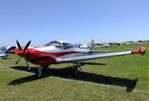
{"x":90,"y":46}
{"x":4,"y":51}
{"x":85,"y":45}
{"x":56,"y":52}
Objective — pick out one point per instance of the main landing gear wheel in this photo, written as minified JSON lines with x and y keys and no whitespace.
{"x":42,"y":71}
{"x":76,"y":68}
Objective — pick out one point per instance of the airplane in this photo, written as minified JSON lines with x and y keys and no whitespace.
{"x":56,"y":52}
{"x":4,"y":51}
{"x":90,"y":46}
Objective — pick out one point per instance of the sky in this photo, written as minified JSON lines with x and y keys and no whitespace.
{"x":75,"y":21}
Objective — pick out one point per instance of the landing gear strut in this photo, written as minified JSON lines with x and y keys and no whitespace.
{"x":76,"y":68}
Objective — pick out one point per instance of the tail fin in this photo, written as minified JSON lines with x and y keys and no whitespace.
{"x":92,"y":48}
{"x":4,"y":49}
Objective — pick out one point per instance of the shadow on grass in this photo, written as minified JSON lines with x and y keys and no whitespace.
{"x":7,"y":58}
{"x":67,"y":73}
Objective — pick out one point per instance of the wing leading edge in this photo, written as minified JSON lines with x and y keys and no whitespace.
{"x":98,"y":56}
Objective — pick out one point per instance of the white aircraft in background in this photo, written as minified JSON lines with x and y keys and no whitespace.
{"x":4,"y":51}
{"x":88,"y":45}
{"x":91,"y":47}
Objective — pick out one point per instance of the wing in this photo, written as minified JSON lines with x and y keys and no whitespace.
{"x":98,"y":56}
{"x":100,"y":51}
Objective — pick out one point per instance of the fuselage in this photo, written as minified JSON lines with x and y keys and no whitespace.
{"x":44,"y":56}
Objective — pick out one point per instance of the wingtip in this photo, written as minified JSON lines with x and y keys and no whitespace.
{"x":139,"y":51}
{"x":142,"y":50}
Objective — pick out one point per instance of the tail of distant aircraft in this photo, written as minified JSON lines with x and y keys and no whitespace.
{"x":92,"y":45}
{"x":4,"y":49}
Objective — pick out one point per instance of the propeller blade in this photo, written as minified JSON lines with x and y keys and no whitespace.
{"x":27,"y":45}
{"x":24,"y":55}
{"x":18,"y":60}
{"x":19,"y":46}
{"x":27,"y":65}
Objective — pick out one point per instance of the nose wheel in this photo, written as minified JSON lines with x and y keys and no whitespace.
{"x":39,"y":72}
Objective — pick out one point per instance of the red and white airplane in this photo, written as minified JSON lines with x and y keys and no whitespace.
{"x":56,"y":52}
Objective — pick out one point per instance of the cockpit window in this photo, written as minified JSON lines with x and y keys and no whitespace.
{"x":54,"y":43}
{"x":67,"y":45}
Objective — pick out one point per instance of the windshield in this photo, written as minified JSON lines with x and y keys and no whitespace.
{"x":67,"y":45}
{"x":54,"y":43}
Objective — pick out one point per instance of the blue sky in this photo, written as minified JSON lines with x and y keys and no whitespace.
{"x":73,"y":20}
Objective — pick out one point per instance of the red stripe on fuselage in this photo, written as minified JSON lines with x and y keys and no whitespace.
{"x":38,"y":57}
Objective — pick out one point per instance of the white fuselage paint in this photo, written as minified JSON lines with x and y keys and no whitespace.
{"x":75,"y":51}
{"x":55,"y":49}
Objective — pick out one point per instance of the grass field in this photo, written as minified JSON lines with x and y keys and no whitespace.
{"x":123,"y":78}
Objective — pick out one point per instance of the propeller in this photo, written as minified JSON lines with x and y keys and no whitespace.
{"x":26,"y":47}
{"x":19,"y":46}
{"x":27,"y":65}
{"x":24,"y":50}
{"x":18,"y":60}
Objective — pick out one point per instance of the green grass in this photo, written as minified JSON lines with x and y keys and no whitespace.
{"x":94,"y":82}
